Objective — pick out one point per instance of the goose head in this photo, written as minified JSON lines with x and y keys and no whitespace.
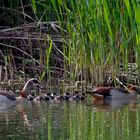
{"x":134,"y":88}
{"x":31,"y":84}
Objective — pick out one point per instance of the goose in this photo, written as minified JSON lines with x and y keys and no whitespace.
{"x":115,"y":93}
{"x":9,"y":97}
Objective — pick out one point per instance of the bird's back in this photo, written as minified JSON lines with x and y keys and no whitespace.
{"x":7,"y":94}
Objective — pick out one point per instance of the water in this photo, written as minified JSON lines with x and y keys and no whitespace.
{"x":70,"y":121}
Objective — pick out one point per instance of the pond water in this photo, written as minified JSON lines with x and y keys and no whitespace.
{"x":82,"y":120}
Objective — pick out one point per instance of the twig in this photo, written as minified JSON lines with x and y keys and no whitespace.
{"x":120,"y":82}
{"x":20,"y":51}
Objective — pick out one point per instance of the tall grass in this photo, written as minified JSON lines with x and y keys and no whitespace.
{"x":104,"y":33}
{"x":98,"y":36}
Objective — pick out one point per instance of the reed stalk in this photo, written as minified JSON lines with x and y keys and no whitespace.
{"x":97,"y":36}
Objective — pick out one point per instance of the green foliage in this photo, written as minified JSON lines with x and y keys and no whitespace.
{"x":48,"y":53}
{"x":103,"y":34}
{"x":100,"y":34}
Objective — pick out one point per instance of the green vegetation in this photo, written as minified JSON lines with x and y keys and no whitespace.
{"x":71,"y":40}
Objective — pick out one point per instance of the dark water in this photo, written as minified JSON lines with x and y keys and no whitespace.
{"x":70,"y":121}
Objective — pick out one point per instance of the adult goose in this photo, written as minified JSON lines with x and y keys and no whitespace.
{"x":9,"y":97}
{"x":115,"y":93}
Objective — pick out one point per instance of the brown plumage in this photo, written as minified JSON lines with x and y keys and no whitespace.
{"x":114,"y":93}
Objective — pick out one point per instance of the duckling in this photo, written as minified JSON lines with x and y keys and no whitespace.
{"x":66,"y":96}
{"x":82,"y":96}
{"x":47,"y":96}
{"x":53,"y":95}
{"x":31,"y":97}
{"x":39,"y":98}
{"x":75,"y":95}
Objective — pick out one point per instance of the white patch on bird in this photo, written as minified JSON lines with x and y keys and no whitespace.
{"x":116,"y":94}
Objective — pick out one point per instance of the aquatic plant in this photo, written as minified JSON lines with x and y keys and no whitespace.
{"x":75,"y":40}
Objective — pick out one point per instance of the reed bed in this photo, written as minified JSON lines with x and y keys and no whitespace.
{"x":69,"y":41}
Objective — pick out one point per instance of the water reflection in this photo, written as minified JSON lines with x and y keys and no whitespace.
{"x":70,"y":121}
{"x":108,"y":104}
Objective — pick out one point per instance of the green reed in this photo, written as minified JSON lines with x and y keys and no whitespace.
{"x":102,"y":35}
{"x":99,"y":35}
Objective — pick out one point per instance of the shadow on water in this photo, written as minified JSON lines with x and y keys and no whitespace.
{"x":71,"y":121}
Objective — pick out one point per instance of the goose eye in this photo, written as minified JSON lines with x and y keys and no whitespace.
{"x":36,"y":81}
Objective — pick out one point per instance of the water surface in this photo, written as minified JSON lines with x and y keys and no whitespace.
{"x":70,"y":121}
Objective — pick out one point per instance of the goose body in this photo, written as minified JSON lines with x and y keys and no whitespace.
{"x":114,"y":93}
{"x":8,"y":97}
